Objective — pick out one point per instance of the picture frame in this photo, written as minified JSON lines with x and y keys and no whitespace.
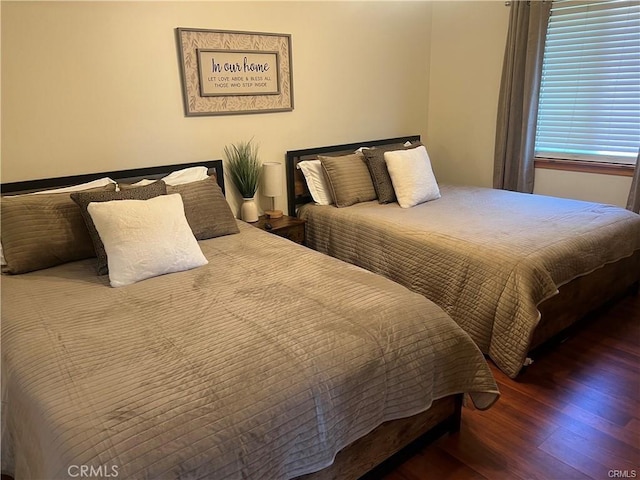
{"x":227,"y":72}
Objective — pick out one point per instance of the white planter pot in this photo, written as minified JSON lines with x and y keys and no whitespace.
{"x":249,"y":210}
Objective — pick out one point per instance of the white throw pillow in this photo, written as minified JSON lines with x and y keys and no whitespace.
{"x":362,"y":149}
{"x":78,"y":188}
{"x":316,"y":181}
{"x":145,"y":238}
{"x":143,"y":183}
{"x":179,"y":177}
{"x":412,"y":176}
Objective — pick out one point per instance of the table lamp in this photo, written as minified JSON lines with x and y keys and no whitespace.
{"x":272,"y":186}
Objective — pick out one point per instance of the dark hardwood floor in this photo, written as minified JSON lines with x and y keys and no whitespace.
{"x":573,"y":414}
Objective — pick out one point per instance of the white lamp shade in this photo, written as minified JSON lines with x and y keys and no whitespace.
{"x":272,"y":179}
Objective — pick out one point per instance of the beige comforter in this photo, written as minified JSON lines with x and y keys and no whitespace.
{"x":260,"y":365}
{"x":488,"y":257}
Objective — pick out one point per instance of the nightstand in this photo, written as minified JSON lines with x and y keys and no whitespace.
{"x":285,"y":226}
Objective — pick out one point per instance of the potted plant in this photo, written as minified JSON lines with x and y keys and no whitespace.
{"x":244,"y":169}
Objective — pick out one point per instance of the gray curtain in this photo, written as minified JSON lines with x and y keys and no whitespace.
{"x":518,"y":102}
{"x":634,"y":195}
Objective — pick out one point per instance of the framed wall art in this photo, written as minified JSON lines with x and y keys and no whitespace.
{"x":229,"y":72}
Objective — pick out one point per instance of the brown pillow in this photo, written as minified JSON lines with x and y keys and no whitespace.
{"x":44,"y":230}
{"x":349,"y":179}
{"x":83,"y":199}
{"x":374,"y":158}
{"x":206,"y":209}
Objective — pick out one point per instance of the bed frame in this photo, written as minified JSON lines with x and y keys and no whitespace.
{"x":385,"y":445}
{"x":575,"y":299}
{"x":129,"y":176}
{"x":372,"y":455}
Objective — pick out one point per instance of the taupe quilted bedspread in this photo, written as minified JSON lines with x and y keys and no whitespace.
{"x":488,"y":257}
{"x":260,"y":365}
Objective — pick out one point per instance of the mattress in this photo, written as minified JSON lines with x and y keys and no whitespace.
{"x":487,"y":257}
{"x":262,"y":364}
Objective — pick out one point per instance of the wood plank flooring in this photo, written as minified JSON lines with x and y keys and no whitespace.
{"x":573,"y":414}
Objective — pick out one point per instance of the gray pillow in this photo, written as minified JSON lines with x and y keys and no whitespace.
{"x":83,"y":199}
{"x":349,"y":179}
{"x":374,"y":158}
{"x":44,"y":230}
{"x":206,"y":209}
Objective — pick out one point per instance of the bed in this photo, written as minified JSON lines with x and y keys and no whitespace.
{"x":514,"y":270}
{"x":269,"y":361}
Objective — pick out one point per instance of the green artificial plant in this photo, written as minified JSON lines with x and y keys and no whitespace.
{"x":244,"y":167}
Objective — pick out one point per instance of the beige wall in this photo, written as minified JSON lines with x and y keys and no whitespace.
{"x":467,"y":48}
{"x":591,"y":187}
{"x":90,"y":86}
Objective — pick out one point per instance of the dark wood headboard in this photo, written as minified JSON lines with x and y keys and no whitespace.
{"x":128,"y":176}
{"x":297,"y":191}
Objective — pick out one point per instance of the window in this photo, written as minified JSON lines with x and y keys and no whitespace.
{"x":589,"y":104}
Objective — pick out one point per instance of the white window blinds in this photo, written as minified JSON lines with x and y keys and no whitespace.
{"x":589,"y":106}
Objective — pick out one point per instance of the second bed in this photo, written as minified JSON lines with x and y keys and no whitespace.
{"x":512,"y":269}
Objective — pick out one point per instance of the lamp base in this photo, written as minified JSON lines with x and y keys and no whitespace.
{"x":273,"y":213}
